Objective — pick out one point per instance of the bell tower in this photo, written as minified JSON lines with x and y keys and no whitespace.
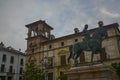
{"x":38,"y":32}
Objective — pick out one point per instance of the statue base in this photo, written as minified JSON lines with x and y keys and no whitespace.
{"x":92,"y":72}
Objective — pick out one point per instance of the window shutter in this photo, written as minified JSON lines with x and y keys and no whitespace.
{"x":63,"y":60}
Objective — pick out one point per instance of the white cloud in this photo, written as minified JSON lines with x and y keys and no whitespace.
{"x":108,"y":13}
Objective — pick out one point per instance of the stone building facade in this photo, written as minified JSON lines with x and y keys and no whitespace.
{"x":43,"y":46}
{"x":12,"y":63}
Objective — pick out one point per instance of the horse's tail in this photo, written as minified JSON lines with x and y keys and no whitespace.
{"x":71,"y":52}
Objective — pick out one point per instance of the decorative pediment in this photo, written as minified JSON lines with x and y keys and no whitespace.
{"x":62,"y":52}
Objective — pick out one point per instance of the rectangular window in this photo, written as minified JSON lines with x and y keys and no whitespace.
{"x":62,"y":43}
{"x":32,"y":51}
{"x":21,"y":70}
{"x":63,"y":76}
{"x":76,"y":40}
{"x":20,"y":78}
{"x":2,"y":68}
{"x":2,"y":77}
{"x":10,"y":78}
{"x":63,"y":60}
{"x":11,"y":69}
{"x":21,"y":62}
{"x":12,"y":59}
{"x":50,"y":76}
{"x":4,"y":58}
{"x":50,"y":46}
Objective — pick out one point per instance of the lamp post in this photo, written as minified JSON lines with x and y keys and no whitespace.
{"x":45,"y":64}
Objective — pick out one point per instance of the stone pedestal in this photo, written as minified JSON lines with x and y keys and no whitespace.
{"x":92,"y":72}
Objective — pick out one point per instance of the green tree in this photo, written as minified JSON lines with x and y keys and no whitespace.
{"x":117,"y":68}
{"x":32,"y":72}
{"x":62,"y":76}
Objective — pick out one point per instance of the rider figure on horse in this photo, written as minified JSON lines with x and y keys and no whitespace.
{"x":98,"y":32}
{"x":86,"y":35}
{"x":93,"y":44}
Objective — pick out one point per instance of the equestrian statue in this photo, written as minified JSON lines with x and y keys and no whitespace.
{"x":93,"y":44}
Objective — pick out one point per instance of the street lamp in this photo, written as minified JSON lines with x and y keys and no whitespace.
{"x":45,"y":64}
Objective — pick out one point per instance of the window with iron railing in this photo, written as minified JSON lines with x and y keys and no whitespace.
{"x":50,"y":76}
{"x":21,"y":62}
{"x":21,"y":70}
{"x":11,"y":69}
{"x":4,"y":58}
{"x":2,"y":68}
{"x":12,"y":59}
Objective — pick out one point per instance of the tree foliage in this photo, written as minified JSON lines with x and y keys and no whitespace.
{"x":62,"y":76}
{"x":32,"y":72}
{"x":117,"y":68}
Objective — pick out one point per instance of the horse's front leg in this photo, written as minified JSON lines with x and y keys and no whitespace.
{"x":68,"y":59}
{"x":104,"y":55}
{"x":71,"y":54}
{"x":75,"y":62}
{"x":76,"y":58}
{"x":92,"y":55}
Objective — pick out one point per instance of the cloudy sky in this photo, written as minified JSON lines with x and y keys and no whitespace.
{"x":62,"y":15}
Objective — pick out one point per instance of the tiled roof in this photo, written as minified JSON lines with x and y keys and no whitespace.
{"x":9,"y":49}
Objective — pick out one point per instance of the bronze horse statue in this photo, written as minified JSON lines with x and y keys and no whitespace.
{"x":93,"y":44}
